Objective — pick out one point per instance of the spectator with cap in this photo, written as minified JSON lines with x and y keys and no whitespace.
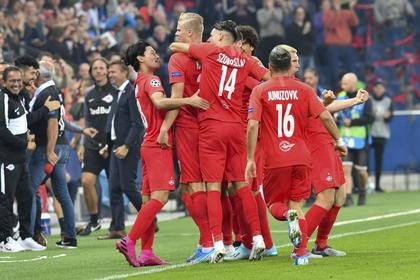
{"x":381,"y":132}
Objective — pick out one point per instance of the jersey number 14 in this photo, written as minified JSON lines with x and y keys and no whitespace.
{"x":286,"y":122}
{"x":228,"y":85}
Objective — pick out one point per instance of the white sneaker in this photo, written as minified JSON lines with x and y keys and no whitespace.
{"x":30,"y":244}
{"x":229,"y":249}
{"x":219,"y":252}
{"x":258,"y":248}
{"x":11,"y":246}
{"x":295,"y":235}
{"x":241,"y":253}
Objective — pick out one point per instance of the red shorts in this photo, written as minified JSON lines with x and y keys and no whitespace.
{"x":255,"y":183}
{"x":327,"y":168}
{"x":187,"y":153}
{"x":158,"y":170}
{"x":286,"y":183}
{"x":222,"y":151}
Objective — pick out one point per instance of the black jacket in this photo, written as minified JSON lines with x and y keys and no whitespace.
{"x":128,"y":127}
{"x":13,"y":128}
{"x":96,"y":109}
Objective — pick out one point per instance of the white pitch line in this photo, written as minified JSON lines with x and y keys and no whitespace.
{"x":33,"y":260}
{"x":340,"y":235}
{"x":180,"y":265}
{"x":337,"y":224}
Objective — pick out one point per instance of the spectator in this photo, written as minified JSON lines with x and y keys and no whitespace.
{"x":321,"y":52}
{"x":338,"y":37}
{"x":3,"y":65}
{"x":83,"y":72}
{"x":270,"y":18}
{"x":128,"y":36}
{"x":383,"y":112}
{"x":240,"y":11}
{"x":393,"y":13}
{"x":311,"y":78}
{"x":160,"y":42}
{"x":299,"y":34}
{"x":6,"y":54}
{"x":142,"y":28}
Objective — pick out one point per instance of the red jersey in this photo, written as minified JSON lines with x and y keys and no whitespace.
{"x":152,"y":118}
{"x":317,"y":135}
{"x":223,"y":75}
{"x":249,"y":86}
{"x":184,"y":69}
{"x":282,"y":106}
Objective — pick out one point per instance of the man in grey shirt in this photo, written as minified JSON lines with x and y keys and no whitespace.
{"x":383,"y":112}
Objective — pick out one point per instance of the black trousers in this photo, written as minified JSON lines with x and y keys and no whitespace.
{"x":378,"y":144}
{"x":14,"y":183}
{"x":122,"y":176}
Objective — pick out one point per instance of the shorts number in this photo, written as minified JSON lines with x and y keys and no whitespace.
{"x":286,"y":122}
{"x":229,"y":86}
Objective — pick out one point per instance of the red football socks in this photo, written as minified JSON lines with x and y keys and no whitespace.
{"x":314,"y":217}
{"x":265,"y":227}
{"x":279,"y":211}
{"x":249,"y":207}
{"x":325,"y":226}
{"x":148,"y":237}
{"x":215,"y":216}
{"x":236,"y":205}
{"x":144,"y":218}
{"x":199,"y":204}
{"x":227,"y":226}
{"x":302,"y":250}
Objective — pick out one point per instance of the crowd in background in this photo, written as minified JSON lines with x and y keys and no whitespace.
{"x":373,"y":38}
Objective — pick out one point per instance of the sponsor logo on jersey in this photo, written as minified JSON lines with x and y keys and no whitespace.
{"x":108,"y":98}
{"x":171,"y":182}
{"x":100,"y":111}
{"x":176,"y":74}
{"x":10,"y":167}
{"x":329,"y":178}
{"x":286,"y":146}
{"x":155,"y":83}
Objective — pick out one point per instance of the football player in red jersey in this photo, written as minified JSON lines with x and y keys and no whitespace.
{"x":248,"y":42}
{"x":223,"y":75}
{"x":157,"y":163}
{"x":282,"y":106}
{"x":184,"y":77}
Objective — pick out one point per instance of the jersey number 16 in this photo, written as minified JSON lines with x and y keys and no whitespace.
{"x":286,"y":122}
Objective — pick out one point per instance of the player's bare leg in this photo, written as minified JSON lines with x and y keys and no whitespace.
{"x":363,"y":176}
{"x":91,"y":199}
{"x":348,"y":184}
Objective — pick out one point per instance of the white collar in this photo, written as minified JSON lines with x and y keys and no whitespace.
{"x":122,"y":87}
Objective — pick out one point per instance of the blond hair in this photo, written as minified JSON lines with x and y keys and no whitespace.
{"x":288,"y":48}
{"x":193,"y":21}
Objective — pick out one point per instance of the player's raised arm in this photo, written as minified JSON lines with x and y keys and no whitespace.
{"x":179,"y":47}
{"x":338,"y":105}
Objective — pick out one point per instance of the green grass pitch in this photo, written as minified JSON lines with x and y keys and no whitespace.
{"x":379,"y":245}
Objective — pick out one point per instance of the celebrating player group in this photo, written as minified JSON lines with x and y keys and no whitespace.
{"x":248,"y":139}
